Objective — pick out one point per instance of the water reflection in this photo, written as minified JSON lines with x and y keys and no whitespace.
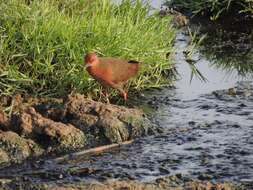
{"x":229,"y":40}
{"x":230,"y":51}
{"x":217,"y":78}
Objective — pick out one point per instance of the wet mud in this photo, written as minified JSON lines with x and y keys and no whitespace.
{"x":167,"y":183}
{"x":53,"y":127}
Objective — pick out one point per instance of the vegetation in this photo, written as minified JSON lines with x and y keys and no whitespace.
{"x":228,"y":41}
{"x":195,"y":42}
{"x":42,"y":43}
{"x":213,"y":8}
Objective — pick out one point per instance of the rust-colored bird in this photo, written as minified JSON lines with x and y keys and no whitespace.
{"x":111,"y":72}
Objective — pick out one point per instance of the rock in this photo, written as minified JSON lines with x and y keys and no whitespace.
{"x":179,"y":20}
{"x":4,"y":181}
{"x":204,"y":177}
{"x":22,"y":124}
{"x":14,"y":148}
{"x":59,"y":126}
{"x":113,"y":129}
{"x":106,"y":123}
{"x":242,"y":90}
{"x":35,"y":149}
{"x":61,"y":137}
{"x":232,"y":91}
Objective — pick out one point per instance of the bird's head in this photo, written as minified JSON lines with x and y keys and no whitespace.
{"x":91,"y":59}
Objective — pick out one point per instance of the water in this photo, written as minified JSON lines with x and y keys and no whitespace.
{"x":216,"y":78}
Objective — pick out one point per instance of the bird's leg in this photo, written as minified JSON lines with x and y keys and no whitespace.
{"x":125,"y":96}
{"x":105,"y":93}
{"x":123,"y":92}
{"x":120,"y":88}
{"x":106,"y":96}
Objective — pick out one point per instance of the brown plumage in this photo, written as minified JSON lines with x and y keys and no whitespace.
{"x":111,"y":72}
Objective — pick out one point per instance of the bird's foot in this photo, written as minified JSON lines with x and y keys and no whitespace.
{"x":125,"y":96}
{"x":107,"y":100}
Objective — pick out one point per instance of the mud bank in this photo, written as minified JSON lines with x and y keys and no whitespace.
{"x":48,"y":127}
{"x":167,"y":183}
{"x":193,"y":154}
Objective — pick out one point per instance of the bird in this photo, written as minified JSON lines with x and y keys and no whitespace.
{"x":111,"y":72}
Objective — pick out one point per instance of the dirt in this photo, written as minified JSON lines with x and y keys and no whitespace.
{"x":55,"y":126}
{"x":62,"y":137}
{"x":4,"y":121}
{"x":166,"y":183}
{"x":14,"y":149}
{"x":114,"y":123}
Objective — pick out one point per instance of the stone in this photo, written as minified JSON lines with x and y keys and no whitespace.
{"x":14,"y":148}
{"x":61,"y":137}
{"x":112,"y":123}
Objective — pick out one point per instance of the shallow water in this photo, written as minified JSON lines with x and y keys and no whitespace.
{"x":217,"y":79}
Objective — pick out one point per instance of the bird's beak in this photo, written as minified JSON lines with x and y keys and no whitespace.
{"x":87,"y":65}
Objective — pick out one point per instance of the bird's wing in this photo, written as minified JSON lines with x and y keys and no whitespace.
{"x":121,"y":70}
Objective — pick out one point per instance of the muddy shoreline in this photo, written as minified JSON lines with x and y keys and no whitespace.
{"x":40,"y":127}
{"x":177,"y":182}
{"x":69,"y":174}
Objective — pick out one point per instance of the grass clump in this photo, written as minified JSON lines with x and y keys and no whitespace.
{"x":42,"y":43}
{"x":213,"y":8}
{"x":225,"y":32}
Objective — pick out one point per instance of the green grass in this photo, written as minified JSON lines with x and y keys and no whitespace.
{"x":213,"y":8}
{"x":43,"y":42}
